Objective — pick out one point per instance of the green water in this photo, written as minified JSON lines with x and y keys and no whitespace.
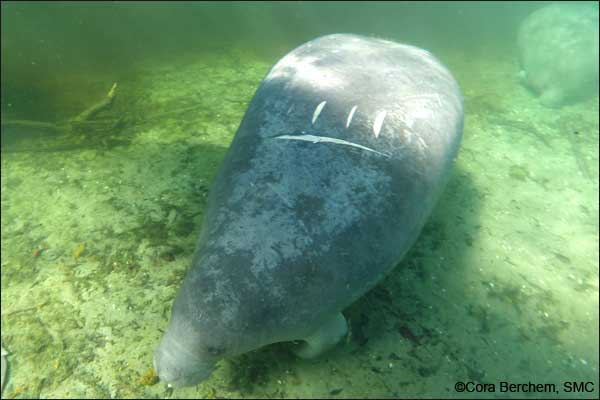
{"x":100,"y":218}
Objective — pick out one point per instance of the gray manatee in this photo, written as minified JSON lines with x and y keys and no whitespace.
{"x":330,"y":177}
{"x":558,"y":52}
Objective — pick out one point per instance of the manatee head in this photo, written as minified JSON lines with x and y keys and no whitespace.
{"x":193,"y":343}
{"x":181,"y":359}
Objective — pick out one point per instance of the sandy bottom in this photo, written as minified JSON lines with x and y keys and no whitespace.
{"x":502,"y":285}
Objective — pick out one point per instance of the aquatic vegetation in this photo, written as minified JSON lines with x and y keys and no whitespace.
{"x":518,"y":172}
{"x":149,"y":377}
{"x":78,"y":251}
{"x":250,"y":370}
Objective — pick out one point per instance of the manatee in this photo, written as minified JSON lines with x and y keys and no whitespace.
{"x":330,"y":177}
{"x":558,"y":53}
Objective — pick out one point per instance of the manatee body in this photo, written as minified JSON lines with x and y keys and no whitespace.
{"x":558,"y":52}
{"x":332,"y":174}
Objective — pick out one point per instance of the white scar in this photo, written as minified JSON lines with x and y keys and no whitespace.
{"x":378,"y":122}
{"x":325,"y":139}
{"x":350,"y":116}
{"x":318,"y":111}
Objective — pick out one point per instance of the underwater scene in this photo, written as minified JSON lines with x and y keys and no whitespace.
{"x":299,"y":199}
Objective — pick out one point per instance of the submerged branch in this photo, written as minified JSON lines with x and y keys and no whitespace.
{"x":66,"y":126}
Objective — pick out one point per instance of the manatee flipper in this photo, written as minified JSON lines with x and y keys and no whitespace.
{"x":327,"y":336}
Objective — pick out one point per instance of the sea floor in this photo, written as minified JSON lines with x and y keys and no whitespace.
{"x":99,"y":228}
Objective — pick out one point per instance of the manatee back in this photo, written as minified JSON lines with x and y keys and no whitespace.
{"x":333,"y":172}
